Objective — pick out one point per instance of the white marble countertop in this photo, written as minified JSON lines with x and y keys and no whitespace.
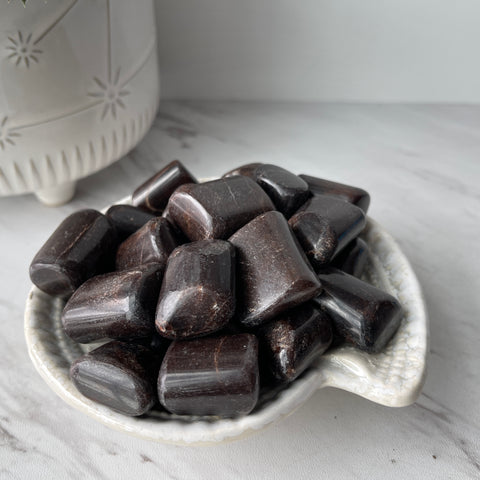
{"x":421,"y":165}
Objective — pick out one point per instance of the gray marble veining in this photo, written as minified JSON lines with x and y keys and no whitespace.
{"x":421,"y":165}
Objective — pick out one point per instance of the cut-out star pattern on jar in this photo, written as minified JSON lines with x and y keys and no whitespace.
{"x":23,"y":49}
{"x":7,"y":135}
{"x":111,"y":93}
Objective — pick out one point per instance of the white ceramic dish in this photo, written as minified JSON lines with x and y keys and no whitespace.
{"x":393,"y":378}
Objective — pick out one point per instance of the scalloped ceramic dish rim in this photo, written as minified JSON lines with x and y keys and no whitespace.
{"x":205,"y":432}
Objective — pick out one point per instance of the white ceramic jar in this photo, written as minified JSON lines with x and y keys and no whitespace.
{"x":79,"y":87}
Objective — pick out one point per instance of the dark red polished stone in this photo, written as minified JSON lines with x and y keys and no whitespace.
{"x":153,"y":195}
{"x":198,"y":290}
{"x":217,"y":209}
{"x":117,"y":305}
{"x":287,"y":191}
{"x":119,"y":375}
{"x":324,"y":225}
{"x":210,"y":376}
{"x":290,"y":342}
{"x":316,"y":235}
{"x":361,"y":314}
{"x":82,"y":246}
{"x":152,"y":243}
{"x":247,"y":170}
{"x":353,"y":258}
{"x":127,"y":219}
{"x":179,"y":235}
{"x":273,"y":272}
{"x":355,"y":195}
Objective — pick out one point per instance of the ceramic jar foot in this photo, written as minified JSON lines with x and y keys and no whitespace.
{"x":57,"y":195}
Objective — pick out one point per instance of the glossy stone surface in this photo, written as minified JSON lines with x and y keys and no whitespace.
{"x":247,"y":170}
{"x":153,"y":243}
{"x":355,"y":195}
{"x":179,"y":235}
{"x":217,"y":209}
{"x":117,"y":305}
{"x":198,"y":290}
{"x":324,"y":225}
{"x":127,"y":219}
{"x":362,"y":314}
{"x":153,"y":195}
{"x":317,"y":236}
{"x":290,"y":342}
{"x":119,"y":375}
{"x":210,"y":376}
{"x":82,"y":246}
{"x":353,"y":258}
{"x":273,"y":272}
{"x":287,"y":191}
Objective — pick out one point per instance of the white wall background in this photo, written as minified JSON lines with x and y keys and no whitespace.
{"x":349,"y":50}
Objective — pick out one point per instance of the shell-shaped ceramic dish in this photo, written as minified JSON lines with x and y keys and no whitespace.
{"x":393,"y":378}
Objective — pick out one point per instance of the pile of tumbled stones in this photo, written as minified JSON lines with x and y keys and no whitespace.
{"x":206,"y":291}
